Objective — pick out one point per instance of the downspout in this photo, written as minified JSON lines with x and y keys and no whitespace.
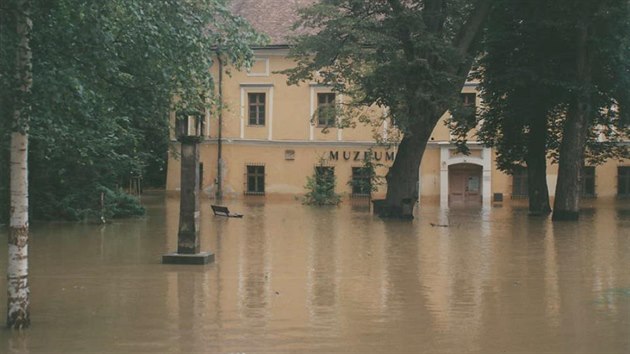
{"x":219,"y":191}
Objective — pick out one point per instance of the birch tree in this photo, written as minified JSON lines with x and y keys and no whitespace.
{"x":18,"y":293}
{"x":104,"y":74}
{"x":92,"y":101}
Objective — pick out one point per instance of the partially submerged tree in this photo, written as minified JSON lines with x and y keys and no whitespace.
{"x":409,"y":56}
{"x":520,"y":51}
{"x":530,"y":82}
{"x":18,"y":291}
{"x":93,"y":98}
{"x":600,"y":31}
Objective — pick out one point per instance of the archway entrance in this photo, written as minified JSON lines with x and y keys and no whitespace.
{"x":465,"y":184}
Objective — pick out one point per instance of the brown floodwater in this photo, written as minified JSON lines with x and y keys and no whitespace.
{"x":294,"y":278}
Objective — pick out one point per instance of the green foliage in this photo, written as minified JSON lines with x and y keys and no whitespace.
{"x":528,"y":76}
{"x":370,"y":179}
{"x":87,"y":206}
{"x":394,"y":54}
{"x":321,"y":186}
{"x":410,"y":57}
{"x":105,"y":74}
{"x":117,"y":204}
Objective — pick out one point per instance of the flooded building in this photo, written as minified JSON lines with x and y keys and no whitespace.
{"x":270,"y":137}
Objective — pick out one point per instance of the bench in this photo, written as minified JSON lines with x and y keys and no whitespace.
{"x":224,"y":211}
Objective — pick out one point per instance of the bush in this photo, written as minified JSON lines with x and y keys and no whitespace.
{"x":74,"y":206}
{"x":321,"y":189}
{"x":118,"y":204}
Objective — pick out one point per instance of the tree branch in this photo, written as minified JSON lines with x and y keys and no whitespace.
{"x":471,"y":30}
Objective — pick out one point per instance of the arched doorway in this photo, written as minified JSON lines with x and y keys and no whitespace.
{"x":465,"y":184}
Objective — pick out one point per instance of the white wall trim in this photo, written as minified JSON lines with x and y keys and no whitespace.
{"x":325,"y":144}
{"x":266,"y":70}
{"x":267,"y":89}
{"x":242,"y":128}
{"x":311,"y":132}
{"x":267,"y":52}
{"x":270,"y":115}
{"x":256,"y":84}
{"x":486,"y":197}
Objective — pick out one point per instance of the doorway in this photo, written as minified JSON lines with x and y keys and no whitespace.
{"x":464,"y":184}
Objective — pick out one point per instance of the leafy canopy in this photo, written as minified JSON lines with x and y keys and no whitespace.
{"x":528,"y":76}
{"x":395,"y":54}
{"x":105,"y":73}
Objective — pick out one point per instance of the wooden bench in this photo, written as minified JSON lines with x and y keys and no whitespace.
{"x":224,"y":211}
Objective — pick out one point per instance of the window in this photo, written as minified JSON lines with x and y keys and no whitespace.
{"x":519,"y":182}
{"x":325,"y":178}
{"x":588,"y":181}
{"x":326,"y":109}
{"x":623,"y":181}
{"x":256,"y":104}
{"x":469,"y":99}
{"x":469,"y":107}
{"x":361,"y":182}
{"x":255,"y":179}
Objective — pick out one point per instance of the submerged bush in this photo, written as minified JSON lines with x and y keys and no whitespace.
{"x":321,"y":187}
{"x":118,"y":204}
{"x":87,"y":206}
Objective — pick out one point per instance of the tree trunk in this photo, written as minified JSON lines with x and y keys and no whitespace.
{"x":571,"y":158}
{"x":404,"y":175}
{"x":402,"y":178}
{"x":18,"y":294}
{"x":537,"y":166}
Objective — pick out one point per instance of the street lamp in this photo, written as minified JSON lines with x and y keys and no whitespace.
{"x":188,"y":129}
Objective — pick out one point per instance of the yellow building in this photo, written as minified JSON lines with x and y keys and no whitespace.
{"x":271,"y":137}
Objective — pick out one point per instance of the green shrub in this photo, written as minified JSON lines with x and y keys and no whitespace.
{"x":321,"y":187}
{"x":118,"y":204}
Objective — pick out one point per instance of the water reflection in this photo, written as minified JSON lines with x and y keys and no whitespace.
{"x":293,"y":278}
{"x":322,"y":271}
{"x":254,"y":266}
{"x":552,"y":291}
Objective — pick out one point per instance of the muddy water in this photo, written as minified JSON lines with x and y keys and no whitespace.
{"x":292,"y":278}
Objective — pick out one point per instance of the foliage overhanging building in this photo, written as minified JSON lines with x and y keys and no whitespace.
{"x":273,"y":137}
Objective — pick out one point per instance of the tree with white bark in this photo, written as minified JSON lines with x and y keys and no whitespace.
{"x":18,"y":300}
{"x":83,"y":111}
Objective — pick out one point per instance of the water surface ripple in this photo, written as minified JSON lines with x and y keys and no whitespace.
{"x":294,"y":278}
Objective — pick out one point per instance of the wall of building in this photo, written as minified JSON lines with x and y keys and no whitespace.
{"x":287,"y":166}
{"x":290,"y":144}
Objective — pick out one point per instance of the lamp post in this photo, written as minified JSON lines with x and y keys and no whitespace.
{"x":188,"y":131}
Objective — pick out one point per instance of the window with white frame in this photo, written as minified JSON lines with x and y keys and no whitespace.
{"x":256,"y":104}
{"x":326,"y":109}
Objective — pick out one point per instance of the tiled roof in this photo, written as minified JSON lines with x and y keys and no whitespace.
{"x":272,"y":17}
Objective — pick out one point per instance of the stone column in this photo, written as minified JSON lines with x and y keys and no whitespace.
{"x":188,"y":245}
{"x":188,"y":235}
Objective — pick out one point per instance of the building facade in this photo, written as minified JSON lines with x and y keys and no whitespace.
{"x":270,"y":137}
